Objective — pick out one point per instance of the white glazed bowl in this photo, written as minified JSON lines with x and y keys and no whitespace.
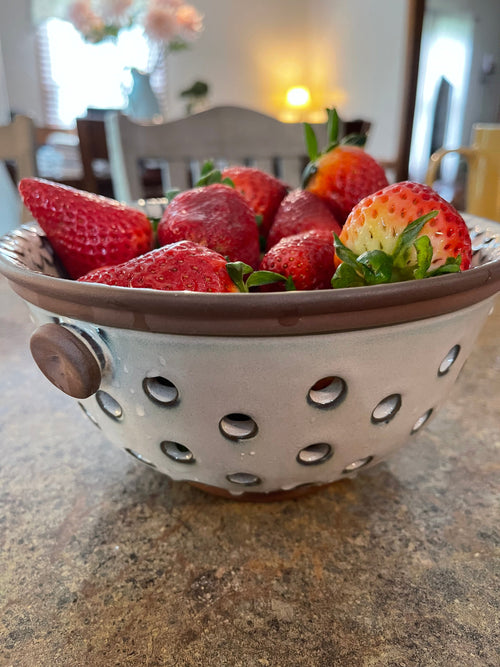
{"x":254,"y":394}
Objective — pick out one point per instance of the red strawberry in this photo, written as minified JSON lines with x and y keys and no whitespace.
{"x":402,"y":232}
{"x":300,"y":211}
{"x":308,"y":258}
{"x":184,"y":266}
{"x":215,"y":216}
{"x":261,"y":191}
{"x":344,"y":173}
{"x":86,"y":230}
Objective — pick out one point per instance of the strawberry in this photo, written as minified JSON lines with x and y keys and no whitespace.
{"x":216,"y":216}
{"x":182,"y":266}
{"x":306,"y":258}
{"x":344,"y":173}
{"x":261,"y":191}
{"x":86,"y":230}
{"x":179,"y":266}
{"x":404,"y":231}
{"x":300,"y":211}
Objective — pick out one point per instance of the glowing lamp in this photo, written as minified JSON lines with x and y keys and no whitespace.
{"x":298,"y":97}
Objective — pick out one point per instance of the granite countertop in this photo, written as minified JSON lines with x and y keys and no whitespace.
{"x":107,"y":562}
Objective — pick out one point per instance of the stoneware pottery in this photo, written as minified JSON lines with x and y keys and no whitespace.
{"x":254,"y":395}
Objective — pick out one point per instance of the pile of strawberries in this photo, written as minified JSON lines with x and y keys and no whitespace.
{"x":244,"y":230}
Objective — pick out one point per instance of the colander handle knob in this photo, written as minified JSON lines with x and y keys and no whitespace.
{"x":65,"y":360}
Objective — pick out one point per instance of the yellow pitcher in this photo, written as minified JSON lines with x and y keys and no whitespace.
{"x":483,"y":159}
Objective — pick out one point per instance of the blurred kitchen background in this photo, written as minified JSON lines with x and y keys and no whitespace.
{"x":421,"y":72}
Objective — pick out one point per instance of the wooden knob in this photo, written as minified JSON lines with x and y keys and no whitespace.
{"x":65,"y":360}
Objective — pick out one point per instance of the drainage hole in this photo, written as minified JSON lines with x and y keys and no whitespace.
{"x":87,"y":413}
{"x":386,"y":409}
{"x":140,"y":457}
{"x":356,"y":465}
{"x":108,"y":405}
{"x":328,"y":392}
{"x":314,"y":454}
{"x":421,"y":421}
{"x":160,"y":390}
{"x":177,"y":452}
{"x":237,"y":426}
{"x":243,"y":479}
{"x":449,"y":360}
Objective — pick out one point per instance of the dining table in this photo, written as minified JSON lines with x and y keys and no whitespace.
{"x":105,"y":561}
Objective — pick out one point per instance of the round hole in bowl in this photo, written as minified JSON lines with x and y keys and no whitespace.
{"x":87,"y":413}
{"x":421,"y":421}
{"x":328,"y":392}
{"x":237,"y":426}
{"x":319,"y":452}
{"x":160,"y":390}
{"x":356,"y":465}
{"x":177,"y":452}
{"x":140,"y":457}
{"x":449,"y":360}
{"x":386,"y":409}
{"x":243,"y":479}
{"x":109,"y":405}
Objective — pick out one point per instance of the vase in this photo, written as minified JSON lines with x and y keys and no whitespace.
{"x":142,"y":102}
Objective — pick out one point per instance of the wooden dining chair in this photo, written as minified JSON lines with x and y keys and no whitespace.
{"x":224,"y":134}
{"x":94,"y":154}
{"x":17,"y":150}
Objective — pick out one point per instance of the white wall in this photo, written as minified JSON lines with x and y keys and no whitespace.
{"x":358,"y":54}
{"x":250,"y":52}
{"x":17,"y":36}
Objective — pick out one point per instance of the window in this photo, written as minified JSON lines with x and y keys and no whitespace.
{"x":76,"y":75}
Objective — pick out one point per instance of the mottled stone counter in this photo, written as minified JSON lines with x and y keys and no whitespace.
{"x":106,"y":562}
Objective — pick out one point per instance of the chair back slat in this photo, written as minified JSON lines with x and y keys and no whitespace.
{"x":179,"y":175}
{"x":227,"y":135}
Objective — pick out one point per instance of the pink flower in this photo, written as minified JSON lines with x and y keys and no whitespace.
{"x":116,"y":9}
{"x":160,"y":23}
{"x":190,"y":21}
{"x":84,"y":19}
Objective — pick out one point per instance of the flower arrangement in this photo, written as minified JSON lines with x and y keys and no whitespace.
{"x":167,"y":23}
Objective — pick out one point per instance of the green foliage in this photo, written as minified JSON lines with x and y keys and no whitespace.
{"x":244,"y":277}
{"x":209,"y":175}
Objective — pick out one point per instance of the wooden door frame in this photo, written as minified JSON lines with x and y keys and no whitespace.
{"x":414,"y":37}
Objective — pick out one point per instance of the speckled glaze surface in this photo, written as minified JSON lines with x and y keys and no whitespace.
{"x":307,"y":389}
{"x":242,"y":413}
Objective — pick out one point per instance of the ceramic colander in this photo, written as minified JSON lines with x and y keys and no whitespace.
{"x":250,"y":395}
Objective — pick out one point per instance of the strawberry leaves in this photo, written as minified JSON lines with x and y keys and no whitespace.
{"x":332,"y":129}
{"x":244,"y":277}
{"x":209,"y":175}
{"x":375,"y":267}
{"x":332,"y":138}
{"x":311,"y":142}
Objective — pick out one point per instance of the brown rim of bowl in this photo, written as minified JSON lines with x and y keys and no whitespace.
{"x":265,"y":314}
